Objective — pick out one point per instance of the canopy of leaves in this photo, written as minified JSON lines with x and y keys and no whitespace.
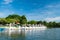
{"x":3,"y":21}
{"x":23,"y":20}
{"x":32,"y":22}
{"x":13,"y":18}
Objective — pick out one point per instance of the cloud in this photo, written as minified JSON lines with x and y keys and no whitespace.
{"x":53,"y":19}
{"x":34,"y":16}
{"x":7,"y":1}
{"x":53,"y":6}
{"x":49,"y":13}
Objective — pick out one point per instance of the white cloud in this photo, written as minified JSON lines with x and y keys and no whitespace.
{"x":53,"y":19}
{"x":57,"y":5}
{"x":7,"y":1}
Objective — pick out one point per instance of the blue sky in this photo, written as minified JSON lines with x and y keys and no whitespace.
{"x":48,"y":10}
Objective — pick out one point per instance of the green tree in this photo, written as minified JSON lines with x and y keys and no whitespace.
{"x":3,"y":21}
{"x":23,"y":20}
{"x":39,"y":22}
{"x":13,"y":18}
{"x":51,"y":25}
{"x":32,"y":22}
{"x":44,"y":23}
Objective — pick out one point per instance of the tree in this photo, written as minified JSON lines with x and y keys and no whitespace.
{"x":44,"y":23}
{"x":39,"y":22}
{"x":3,"y":21}
{"x":23,"y":20}
{"x":51,"y":25}
{"x":58,"y":24}
{"x":32,"y":22}
{"x":13,"y":18}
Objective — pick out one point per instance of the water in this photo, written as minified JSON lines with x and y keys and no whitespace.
{"x":2,"y":29}
{"x":36,"y":34}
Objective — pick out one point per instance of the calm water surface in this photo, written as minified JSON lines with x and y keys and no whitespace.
{"x":37,"y":34}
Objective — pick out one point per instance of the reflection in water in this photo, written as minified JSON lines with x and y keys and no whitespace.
{"x":16,"y":35}
{"x":34,"y":34}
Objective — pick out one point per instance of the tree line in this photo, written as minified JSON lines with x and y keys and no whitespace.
{"x":14,"y":18}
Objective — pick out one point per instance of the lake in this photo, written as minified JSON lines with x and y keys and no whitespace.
{"x":36,"y":34}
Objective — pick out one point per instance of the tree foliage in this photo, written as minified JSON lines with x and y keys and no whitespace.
{"x":13,"y":18}
{"x":3,"y":21}
{"x":32,"y":22}
{"x":17,"y":18}
{"x":23,"y":20}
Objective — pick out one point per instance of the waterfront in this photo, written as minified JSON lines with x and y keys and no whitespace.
{"x":34,"y":34}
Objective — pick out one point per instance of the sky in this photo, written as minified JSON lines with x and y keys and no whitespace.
{"x":48,"y":10}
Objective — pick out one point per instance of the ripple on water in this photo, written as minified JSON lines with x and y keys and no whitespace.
{"x":35,"y":34}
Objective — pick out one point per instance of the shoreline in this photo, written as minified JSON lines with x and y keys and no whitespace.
{"x":24,"y":28}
